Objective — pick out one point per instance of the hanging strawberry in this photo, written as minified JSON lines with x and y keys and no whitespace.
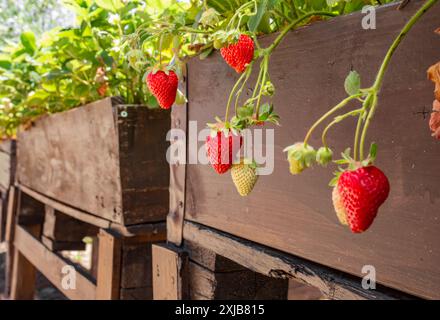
{"x":361,"y":192}
{"x":239,"y":54}
{"x":163,"y":85}
{"x":222,"y":145}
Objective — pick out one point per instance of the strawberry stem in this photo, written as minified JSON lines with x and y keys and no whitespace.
{"x":337,"y":120}
{"x":380,"y":75}
{"x":231,"y":95}
{"x":329,"y":113}
{"x":264,"y":66}
{"x":238,"y":94}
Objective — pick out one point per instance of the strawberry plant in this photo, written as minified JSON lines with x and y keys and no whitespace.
{"x":360,"y":188}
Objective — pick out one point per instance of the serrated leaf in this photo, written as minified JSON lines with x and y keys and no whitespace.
{"x":352,"y":83}
{"x":254,"y":21}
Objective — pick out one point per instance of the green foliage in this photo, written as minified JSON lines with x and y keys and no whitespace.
{"x":115,"y":43}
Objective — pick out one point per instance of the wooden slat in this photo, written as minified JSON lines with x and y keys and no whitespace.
{"x":109,"y":266}
{"x":169,"y":272}
{"x":294,"y":214}
{"x":148,"y":231}
{"x":73,"y":212}
{"x":23,"y":272}
{"x":177,"y":174}
{"x":333,"y":284}
{"x":50,"y":265}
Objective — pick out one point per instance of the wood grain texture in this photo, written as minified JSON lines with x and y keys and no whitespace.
{"x":109,"y":266}
{"x":104,"y":158}
{"x":295,"y":214}
{"x":63,"y":228}
{"x":50,"y":265}
{"x":170,"y":272}
{"x":333,"y":284}
{"x":23,"y":271}
{"x":178,"y":173}
{"x":7,"y":176}
{"x":7,"y":163}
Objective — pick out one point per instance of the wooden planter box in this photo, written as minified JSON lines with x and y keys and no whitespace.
{"x":7,"y":176}
{"x":105,"y":158}
{"x":294,"y":214}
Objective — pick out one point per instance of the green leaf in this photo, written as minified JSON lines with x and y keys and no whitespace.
{"x":110,"y":5}
{"x":28,"y":41}
{"x":254,"y":21}
{"x":5,"y":64}
{"x":352,"y":83}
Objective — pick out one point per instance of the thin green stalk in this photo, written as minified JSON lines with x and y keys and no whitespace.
{"x":329,"y":113}
{"x":238,"y":94}
{"x":231,"y":94}
{"x":258,"y":83}
{"x":264,"y":66}
{"x":337,"y":120}
{"x":380,"y":75}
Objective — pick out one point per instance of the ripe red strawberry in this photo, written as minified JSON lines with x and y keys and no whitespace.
{"x":164,"y":87}
{"x":238,"y":55}
{"x":362,"y":191}
{"x":221,"y":149}
{"x":102,"y":90}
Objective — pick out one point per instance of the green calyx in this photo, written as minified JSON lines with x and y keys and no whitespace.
{"x":324,"y":156}
{"x":353,"y":164}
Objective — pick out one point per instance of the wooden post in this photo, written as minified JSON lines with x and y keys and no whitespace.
{"x":169,"y":271}
{"x":24,"y":272}
{"x":109,"y":266}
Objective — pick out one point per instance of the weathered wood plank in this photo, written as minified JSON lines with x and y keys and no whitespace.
{"x":7,"y":163}
{"x":177,"y":174}
{"x":109,"y":266}
{"x":23,"y":272}
{"x":333,"y":284}
{"x":73,"y":212}
{"x":169,"y":272}
{"x":302,"y":291}
{"x":55,"y":246}
{"x":294,"y":213}
{"x":51,"y":266}
{"x":104,"y":158}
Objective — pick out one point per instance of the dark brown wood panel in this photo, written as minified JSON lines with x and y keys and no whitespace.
{"x":73,"y":157}
{"x":294,"y":213}
{"x":104,"y":158}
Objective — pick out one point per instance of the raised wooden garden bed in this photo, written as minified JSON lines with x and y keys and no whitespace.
{"x":294,"y":214}
{"x":105,"y":158}
{"x":97,"y":171}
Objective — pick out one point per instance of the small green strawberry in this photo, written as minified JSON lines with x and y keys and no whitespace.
{"x":300,"y":157}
